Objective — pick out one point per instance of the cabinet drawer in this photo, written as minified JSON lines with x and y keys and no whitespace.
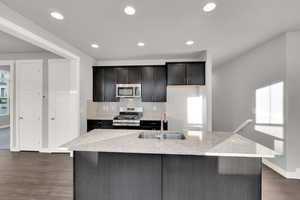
{"x":150,"y":125}
{"x":99,"y":124}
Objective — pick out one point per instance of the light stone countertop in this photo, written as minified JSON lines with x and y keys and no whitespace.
{"x":196,"y":143}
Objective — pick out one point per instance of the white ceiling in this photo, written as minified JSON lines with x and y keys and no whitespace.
{"x":10,"y":44}
{"x":164,"y":25}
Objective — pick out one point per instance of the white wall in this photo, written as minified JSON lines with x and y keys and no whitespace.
{"x":8,"y":21}
{"x":234,"y":86}
{"x":177,"y":114}
{"x":293,"y":101}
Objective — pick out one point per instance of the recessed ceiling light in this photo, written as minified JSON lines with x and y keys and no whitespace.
{"x":129,"y":10}
{"x":190,"y":42}
{"x":209,"y":7}
{"x":140,"y":44}
{"x":57,"y":15}
{"x":96,"y":46}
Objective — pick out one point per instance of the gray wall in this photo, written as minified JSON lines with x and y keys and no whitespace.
{"x":234,"y":86}
{"x":293,"y":101}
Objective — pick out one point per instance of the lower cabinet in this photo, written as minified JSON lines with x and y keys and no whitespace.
{"x":112,"y":176}
{"x":108,"y":124}
{"x":125,"y":176}
{"x":211,"y":178}
{"x":99,"y":124}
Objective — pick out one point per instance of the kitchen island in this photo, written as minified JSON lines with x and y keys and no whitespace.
{"x":119,"y":165}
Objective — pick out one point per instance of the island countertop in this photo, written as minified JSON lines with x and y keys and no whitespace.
{"x":197,"y":143}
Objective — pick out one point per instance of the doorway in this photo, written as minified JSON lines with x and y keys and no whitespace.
{"x":4,"y":107}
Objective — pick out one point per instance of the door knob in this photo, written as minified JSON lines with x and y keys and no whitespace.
{"x":21,"y":117}
{"x":52,"y":118}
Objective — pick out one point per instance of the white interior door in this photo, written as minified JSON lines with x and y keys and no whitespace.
{"x":62,"y":103}
{"x":29,"y":84}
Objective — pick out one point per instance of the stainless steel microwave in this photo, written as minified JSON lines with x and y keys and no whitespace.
{"x":128,"y":90}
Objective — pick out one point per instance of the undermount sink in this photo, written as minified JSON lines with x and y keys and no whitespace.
{"x":165,"y":135}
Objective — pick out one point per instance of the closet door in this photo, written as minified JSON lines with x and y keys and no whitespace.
{"x":29,"y":84}
{"x":62,"y":121}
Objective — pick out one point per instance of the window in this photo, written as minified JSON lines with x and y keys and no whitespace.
{"x":269,"y":104}
{"x":4,"y":93}
{"x":195,"y":110}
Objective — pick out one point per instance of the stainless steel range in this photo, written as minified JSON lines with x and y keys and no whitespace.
{"x":129,"y":116}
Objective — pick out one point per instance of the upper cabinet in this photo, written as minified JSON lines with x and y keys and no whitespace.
{"x":131,"y":75}
{"x":189,"y":73}
{"x":98,"y":84}
{"x":152,"y":78}
{"x":104,"y":84}
{"x":154,"y":84}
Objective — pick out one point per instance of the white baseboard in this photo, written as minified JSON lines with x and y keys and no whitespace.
{"x":282,"y":172}
{"x":55,"y":150}
{"x":14,"y":149}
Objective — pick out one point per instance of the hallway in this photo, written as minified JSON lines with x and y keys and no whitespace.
{"x":4,"y":138}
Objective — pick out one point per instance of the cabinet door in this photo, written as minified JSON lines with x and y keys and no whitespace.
{"x":176,"y":74}
{"x":195,"y":73}
{"x":134,"y":75}
{"x":160,"y":84}
{"x":211,"y":178}
{"x":147,"y":84}
{"x":122,"y":75}
{"x":98,"y":84}
{"x":138,"y":176}
{"x":110,"y":81}
{"x":113,"y":176}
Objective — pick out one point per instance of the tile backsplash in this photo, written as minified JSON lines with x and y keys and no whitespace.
{"x":110,"y":109}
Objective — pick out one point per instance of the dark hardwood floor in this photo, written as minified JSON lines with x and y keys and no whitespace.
{"x":35,"y":176}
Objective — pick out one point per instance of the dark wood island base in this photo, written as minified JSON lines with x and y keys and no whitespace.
{"x":125,"y":176}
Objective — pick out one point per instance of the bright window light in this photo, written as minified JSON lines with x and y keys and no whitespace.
{"x":269,"y":104}
{"x":195,"y":110}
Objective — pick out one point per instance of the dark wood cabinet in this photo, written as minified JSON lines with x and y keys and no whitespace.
{"x":152,"y":78}
{"x":113,"y":176}
{"x":154,"y":84}
{"x":98,"y":84}
{"x":104,"y":84}
{"x":110,"y":81}
{"x":122,"y":75}
{"x":195,"y":73}
{"x":99,"y":124}
{"x":189,"y":73}
{"x":129,"y":176}
{"x":134,"y":75}
{"x":211,"y":178}
{"x":131,"y":75}
{"x":108,"y":124}
{"x":160,"y":84}
{"x":147,"y":84}
{"x":176,"y":74}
